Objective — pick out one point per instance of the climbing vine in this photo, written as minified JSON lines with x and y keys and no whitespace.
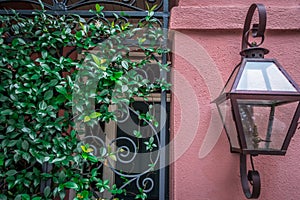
{"x":59,"y":76}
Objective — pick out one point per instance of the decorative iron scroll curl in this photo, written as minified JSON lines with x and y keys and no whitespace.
{"x":66,"y":5}
{"x":258,"y":30}
{"x":252,"y":177}
{"x":126,"y":154}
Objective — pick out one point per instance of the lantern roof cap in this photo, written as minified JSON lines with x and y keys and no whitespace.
{"x":254,"y":52}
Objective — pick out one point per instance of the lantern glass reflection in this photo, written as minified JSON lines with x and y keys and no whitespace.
{"x":263,"y":76}
{"x":265,"y":123}
{"x":226,"y":114}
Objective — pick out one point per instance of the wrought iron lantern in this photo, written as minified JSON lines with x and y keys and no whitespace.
{"x":259,"y":104}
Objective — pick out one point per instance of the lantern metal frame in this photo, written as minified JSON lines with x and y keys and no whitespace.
{"x":251,"y":52}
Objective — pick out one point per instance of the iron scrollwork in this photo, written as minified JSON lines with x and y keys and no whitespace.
{"x":67,"y":5}
{"x":127,"y":153}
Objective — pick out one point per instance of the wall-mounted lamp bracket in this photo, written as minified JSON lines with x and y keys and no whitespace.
{"x":258,"y":30}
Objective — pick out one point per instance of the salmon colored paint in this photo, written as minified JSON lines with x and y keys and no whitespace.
{"x":207,"y":42}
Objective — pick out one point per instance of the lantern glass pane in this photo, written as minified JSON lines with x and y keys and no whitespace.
{"x":264,"y":76}
{"x":229,"y":124}
{"x":231,"y":80}
{"x":265,"y":123}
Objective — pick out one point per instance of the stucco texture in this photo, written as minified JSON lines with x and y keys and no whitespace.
{"x":206,"y":44}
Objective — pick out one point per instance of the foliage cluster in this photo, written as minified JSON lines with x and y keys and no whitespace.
{"x":50,"y":84}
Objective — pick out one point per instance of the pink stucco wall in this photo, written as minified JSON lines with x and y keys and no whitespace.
{"x":207,"y":40}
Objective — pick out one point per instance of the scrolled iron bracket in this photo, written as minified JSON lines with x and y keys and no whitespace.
{"x":258,"y":30}
{"x":252,"y":176}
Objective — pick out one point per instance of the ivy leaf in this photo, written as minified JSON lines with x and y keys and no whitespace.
{"x":94,"y":172}
{"x":61,"y":89}
{"x":47,"y":191}
{"x":25,"y":145}
{"x":103,"y":151}
{"x":35,"y":77}
{"x":104,"y":92}
{"x":26,"y":156}
{"x":46,"y":158}
{"x":10,"y":129}
{"x":124,"y":88}
{"x":58,"y":159}
{"x":137,"y":134}
{"x":99,"y":62}
{"x":118,"y":74}
{"x":44,"y":54}
{"x":42,"y":105}
{"x":17,"y":41}
{"x":61,"y":176}
{"x":26,"y":130}
{"x":92,"y":158}
{"x":98,"y":8}
{"x":151,"y":140}
{"x":53,"y":83}
{"x":71,"y":185}
{"x":86,"y":119}
{"x":95,"y":115}
{"x":48,"y":95}
{"x":141,"y":40}
{"x":86,"y":149}
{"x":11,"y":172}
{"x":124,"y":64}
{"x":7,"y":112}
{"x":25,"y":197}
{"x":113,"y":157}
{"x":78,"y":35}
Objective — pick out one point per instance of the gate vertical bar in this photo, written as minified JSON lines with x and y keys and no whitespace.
{"x":163,"y":115}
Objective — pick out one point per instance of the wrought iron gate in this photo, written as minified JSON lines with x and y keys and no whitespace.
{"x":135,"y":10}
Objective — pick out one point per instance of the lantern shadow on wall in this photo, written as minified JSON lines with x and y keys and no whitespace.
{"x":259,"y":104}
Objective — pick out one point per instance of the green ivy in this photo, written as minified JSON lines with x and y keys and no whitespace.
{"x":39,"y":80}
